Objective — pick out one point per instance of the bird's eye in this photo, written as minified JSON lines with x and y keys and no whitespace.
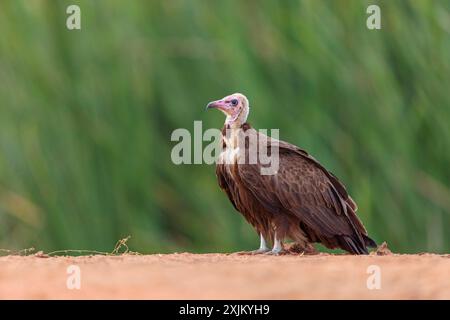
{"x":234,"y":102}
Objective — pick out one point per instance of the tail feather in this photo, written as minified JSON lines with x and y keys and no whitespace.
{"x":369,"y":242}
{"x":351,"y":245}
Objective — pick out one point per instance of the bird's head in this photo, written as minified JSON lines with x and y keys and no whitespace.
{"x":234,"y":106}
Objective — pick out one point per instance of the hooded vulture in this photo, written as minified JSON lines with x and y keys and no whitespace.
{"x":300,"y":199}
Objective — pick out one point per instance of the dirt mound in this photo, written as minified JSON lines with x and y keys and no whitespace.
{"x":383,"y":250}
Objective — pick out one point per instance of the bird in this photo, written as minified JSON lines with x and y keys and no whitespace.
{"x":301,"y":200}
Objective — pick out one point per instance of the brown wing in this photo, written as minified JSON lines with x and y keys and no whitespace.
{"x":304,"y":188}
{"x":226,"y":184}
{"x":340,"y":188}
{"x":243,"y":200}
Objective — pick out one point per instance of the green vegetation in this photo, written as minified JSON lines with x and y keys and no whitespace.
{"x":86,"y":116}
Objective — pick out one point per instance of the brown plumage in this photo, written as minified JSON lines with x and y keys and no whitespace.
{"x":302,"y":201}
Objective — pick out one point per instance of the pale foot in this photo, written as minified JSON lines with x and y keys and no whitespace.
{"x":260,"y":251}
{"x":254,"y":252}
{"x":274,"y":252}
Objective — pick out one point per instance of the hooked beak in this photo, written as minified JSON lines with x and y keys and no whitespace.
{"x":218,"y":104}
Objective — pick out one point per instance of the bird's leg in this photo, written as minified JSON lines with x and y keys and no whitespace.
{"x":262,"y":246}
{"x":277,"y":246}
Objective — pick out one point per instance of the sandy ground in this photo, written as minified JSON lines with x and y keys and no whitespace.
{"x":226,"y":276}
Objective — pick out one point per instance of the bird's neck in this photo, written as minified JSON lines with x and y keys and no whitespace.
{"x":231,"y":134}
{"x":236,"y":121}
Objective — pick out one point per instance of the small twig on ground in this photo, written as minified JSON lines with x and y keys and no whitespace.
{"x":77,"y":251}
{"x":119,"y":244}
{"x":23,"y":252}
{"x":122,"y":243}
{"x":116,"y":251}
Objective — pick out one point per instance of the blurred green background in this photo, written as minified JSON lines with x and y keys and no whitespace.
{"x":86,"y":116}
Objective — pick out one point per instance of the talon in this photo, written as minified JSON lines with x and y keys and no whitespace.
{"x":253,"y":252}
{"x":259,"y":251}
{"x":275,"y":252}
{"x":262,"y":248}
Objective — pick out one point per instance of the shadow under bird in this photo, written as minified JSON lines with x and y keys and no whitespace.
{"x":301,"y":201}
